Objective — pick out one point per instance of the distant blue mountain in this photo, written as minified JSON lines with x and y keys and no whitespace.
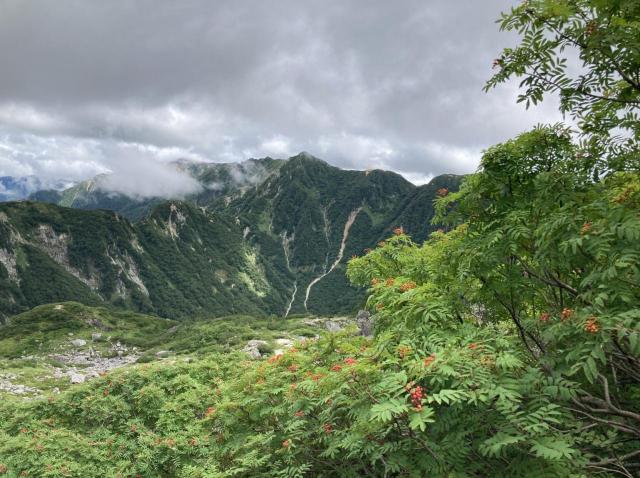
{"x":17,"y":188}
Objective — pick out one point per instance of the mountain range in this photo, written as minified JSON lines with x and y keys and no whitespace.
{"x":265,"y":236}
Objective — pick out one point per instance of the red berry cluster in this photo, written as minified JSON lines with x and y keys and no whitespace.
{"x":336,"y":368}
{"x":350,"y":361}
{"x":416,"y":394}
{"x":328,"y":428}
{"x":442,"y":192}
{"x":545,"y":316}
{"x":398,"y":231}
{"x":586,"y":228}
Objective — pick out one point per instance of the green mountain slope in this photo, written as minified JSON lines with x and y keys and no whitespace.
{"x":180,"y":262}
{"x":264,"y":236}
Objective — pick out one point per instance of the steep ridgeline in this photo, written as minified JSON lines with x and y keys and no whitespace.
{"x":309,"y":218}
{"x":179,"y":262}
{"x":264,"y":236}
{"x":216,"y":180}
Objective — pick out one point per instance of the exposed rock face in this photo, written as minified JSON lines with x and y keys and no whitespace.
{"x":96,"y":336}
{"x":75,"y":377}
{"x":56,"y":247}
{"x":253,"y":348}
{"x":365,"y":323}
{"x":332,"y":326}
{"x":286,"y":343}
{"x":78,"y":342}
{"x":8,"y":260}
{"x":6,"y":385}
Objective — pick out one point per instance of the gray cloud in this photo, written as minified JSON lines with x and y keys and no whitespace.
{"x":362,"y":84}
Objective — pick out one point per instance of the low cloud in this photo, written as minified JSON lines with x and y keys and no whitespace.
{"x":139,"y":174}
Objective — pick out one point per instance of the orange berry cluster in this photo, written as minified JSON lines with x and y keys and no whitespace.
{"x":566,"y":313}
{"x":442,"y":192}
{"x":407,"y":286}
{"x":403,"y":351}
{"x":328,"y":428}
{"x":336,"y":368}
{"x":375,"y":281}
{"x":592,"y":325}
{"x":390,"y":282}
{"x":429,"y":360}
{"x":398,"y":231}
{"x":274,"y":358}
{"x":545,"y":316}
{"x":586,"y":228}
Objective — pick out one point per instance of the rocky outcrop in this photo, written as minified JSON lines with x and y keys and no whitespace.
{"x":253,"y":348}
{"x":364,"y":321}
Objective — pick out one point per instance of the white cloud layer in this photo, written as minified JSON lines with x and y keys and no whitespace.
{"x":92,"y":86}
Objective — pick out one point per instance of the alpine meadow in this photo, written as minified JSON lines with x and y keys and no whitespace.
{"x":293,"y":317}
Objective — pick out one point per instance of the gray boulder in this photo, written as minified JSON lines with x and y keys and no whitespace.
{"x":365,"y":323}
{"x":332,"y":326}
{"x":75,"y":377}
{"x":78,"y":342}
{"x":253,"y":348}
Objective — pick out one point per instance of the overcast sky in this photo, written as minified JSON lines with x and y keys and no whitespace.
{"x":88,"y":86}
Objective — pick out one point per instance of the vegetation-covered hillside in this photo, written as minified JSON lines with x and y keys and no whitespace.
{"x":505,"y":345}
{"x":263,"y":237}
{"x":180,"y":262}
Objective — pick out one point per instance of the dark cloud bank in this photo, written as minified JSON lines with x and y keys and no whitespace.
{"x":89,"y":86}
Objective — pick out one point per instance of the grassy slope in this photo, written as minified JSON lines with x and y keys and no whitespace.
{"x":31,"y":341}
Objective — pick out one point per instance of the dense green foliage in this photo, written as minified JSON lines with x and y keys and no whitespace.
{"x":507,"y":344}
{"x":601,"y":90}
